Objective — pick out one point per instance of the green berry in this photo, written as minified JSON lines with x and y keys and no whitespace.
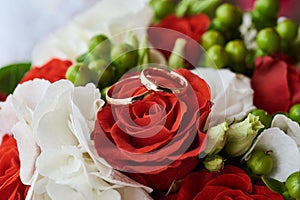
{"x":162,"y":8}
{"x":84,"y":76}
{"x":260,"y":21}
{"x":287,"y":30}
{"x":218,"y":56}
{"x":294,"y":113}
{"x":211,"y":38}
{"x":72,"y":72}
{"x":99,"y":46}
{"x":236,"y":50}
{"x":98,"y":68}
{"x":268,"y":40}
{"x":260,"y":162}
{"x":293,"y":185}
{"x":229,"y":15}
{"x":268,"y":8}
{"x":124,"y":56}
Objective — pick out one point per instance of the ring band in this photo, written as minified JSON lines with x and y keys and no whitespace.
{"x":124,"y":101}
{"x":154,"y":85}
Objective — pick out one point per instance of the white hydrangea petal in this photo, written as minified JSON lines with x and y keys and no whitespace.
{"x":58,"y":191}
{"x":283,"y":147}
{"x":59,"y":164}
{"x":57,"y":95}
{"x":8,"y":117}
{"x":111,"y":194}
{"x":53,"y":130}
{"x":87,"y":99}
{"x":290,"y":127}
{"x":28,"y":151}
{"x":231,"y":94}
{"x":31,"y":92}
{"x":21,"y":103}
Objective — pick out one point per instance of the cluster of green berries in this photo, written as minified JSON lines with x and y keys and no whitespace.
{"x":103,"y":63}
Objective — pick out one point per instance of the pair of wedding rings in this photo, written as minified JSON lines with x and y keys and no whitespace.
{"x":157,"y":79}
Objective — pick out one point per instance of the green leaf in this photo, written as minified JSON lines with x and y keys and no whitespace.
{"x":11,"y":75}
{"x":274,"y":185}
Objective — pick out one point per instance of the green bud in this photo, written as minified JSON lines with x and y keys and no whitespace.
{"x":260,"y":162}
{"x":293,"y":185}
{"x":241,"y":135}
{"x":214,"y":163}
{"x":176,"y":60}
{"x":99,"y":46}
{"x":216,"y":138}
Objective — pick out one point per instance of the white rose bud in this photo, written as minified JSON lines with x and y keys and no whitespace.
{"x":241,"y":135}
{"x":216,"y":138}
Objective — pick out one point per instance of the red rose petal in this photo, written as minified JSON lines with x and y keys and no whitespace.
{"x":193,"y":183}
{"x":11,"y":186}
{"x":270,"y":85}
{"x":52,"y":71}
{"x":232,"y":194}
{"x":234,"y":181}
{"x":294,"y":85}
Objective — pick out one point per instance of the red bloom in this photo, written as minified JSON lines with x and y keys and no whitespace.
{"x":11,"y":187}
{"x":164,"y":34}
{"x":52,"y":71}
{"x":231,"y":183}
{"x":157,"y":139}
{"x":276,"y":85}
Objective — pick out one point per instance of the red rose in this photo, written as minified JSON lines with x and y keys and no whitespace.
{"x":156,"y":140}
{"x":231,"y":183}
{"x":276,"y":85}
{"x":11,"y":186}
{"x":164,"y":34}
{"x":52,"y":71}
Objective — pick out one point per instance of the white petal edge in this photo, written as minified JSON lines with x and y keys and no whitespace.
{"x":290,"y":127}
{"x":231,"y":94}
{"x":28,"y":151}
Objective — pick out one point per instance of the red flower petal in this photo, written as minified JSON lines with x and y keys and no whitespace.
{"x":52,"y":71}
{"x":270,"y":85}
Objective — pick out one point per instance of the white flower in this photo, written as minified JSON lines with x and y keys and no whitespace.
{"x":52,"y":128}
{"x":109,"y":17}
{"x":231,"y":94}
{"x":282,"y":140}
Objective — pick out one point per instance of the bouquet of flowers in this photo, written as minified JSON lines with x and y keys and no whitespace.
{"x":158,"y":99}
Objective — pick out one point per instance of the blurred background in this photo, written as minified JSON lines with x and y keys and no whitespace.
{"x":24,"y":22}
